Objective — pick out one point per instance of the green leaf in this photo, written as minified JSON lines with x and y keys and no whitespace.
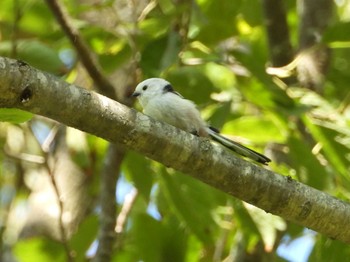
{"x":115,"y":57}
{"x":245,"y":221}
{"x":152,"y":56}
{"x":160,"y":54}
{"x":137,"y":169}
{"x":256,"y":128}
{"x":191,"y":82}
{"x":82,"y":239}
{"x":14,"y":115}
{"x":37,"y":54}
{"x":337,"y":32}
{"x":252,"y":12}
{"x":37,"y":20}
{"x":147,"y":235}
{"x":219,"y":114}
{"x":167,"y":6}
{"x":335,"y":152}
{"x":155,"y":27}
{"x":268,"y":225}
{"x":194,"y":249}
{"x":308,"y":168}
{"x":221,"y":76}
{"x":39,"y":250}
{"x":214,"y":21}
{"x":175,"y":240}
{"x":182,"y":194}
{"x":327,"y":249}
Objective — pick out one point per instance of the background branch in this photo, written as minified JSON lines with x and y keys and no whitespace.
{"x":51,"y":172}
{"x":281,"y":51}
{"x":28,"y":89}
{"x":114,"y":156}
{"x":102,"y":83}
{"x":315,"y":16}
{"x":106,"y":237}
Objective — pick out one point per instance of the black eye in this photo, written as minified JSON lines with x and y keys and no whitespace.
{"x":144,"y":88}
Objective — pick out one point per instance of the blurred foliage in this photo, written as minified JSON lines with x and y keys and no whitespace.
{"x":14,"y":115}
{"x":215,"y":53}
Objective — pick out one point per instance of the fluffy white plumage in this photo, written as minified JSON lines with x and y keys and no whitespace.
{"x":159,"y":101}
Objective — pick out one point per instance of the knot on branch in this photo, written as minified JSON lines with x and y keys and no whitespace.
{"x":26,"y":95}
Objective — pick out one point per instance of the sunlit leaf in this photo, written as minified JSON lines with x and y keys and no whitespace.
{"x":36,"y":54}
{"x":211,"y":29}
{"x":39,"y":250}
{"x":115,"y":57}
{"x":338,"y":32}
{"x":329,"y":250}
{"x":252,"y":11}
{"x":258,"y":129}
{"x":334,"y":152}
{"x":246,"y":223}
{"x":268,"y":225}
{"x":14,"y":115}
{"x":309,"y":169}
{"x":148,"y":238}
{"x":192,"y":83}
{"x":182,"y":199}
{"x":154,"y":27}
{"x":84,"y":237}
{"x":140,"y":174}
{"x":215,"y":53}
{"x":220,"y":76}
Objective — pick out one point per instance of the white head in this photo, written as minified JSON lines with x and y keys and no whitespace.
{"x":151,"y":88}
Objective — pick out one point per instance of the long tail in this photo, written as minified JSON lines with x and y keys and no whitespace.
{"x":238,"y":148}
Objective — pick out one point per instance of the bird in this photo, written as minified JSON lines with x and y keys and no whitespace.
{"x":160,"y":101}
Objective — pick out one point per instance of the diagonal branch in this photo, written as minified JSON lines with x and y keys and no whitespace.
{"x":26,"y":88}
{"x":103,"y":84}
{"x":114,"y":156}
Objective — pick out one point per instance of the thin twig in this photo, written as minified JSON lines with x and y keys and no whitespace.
{"x":62,"y":228}
{"x":94,"y":70}
{"x":24,"y":157}
{"x":126,"y":209}
{"x":51,"y":172}
{"x":110,"y":176}
{"x":17,"y":18}
{"x":114,"y":157}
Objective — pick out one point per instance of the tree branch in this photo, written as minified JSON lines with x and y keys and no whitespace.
{"x":281,"y":51}
{"x":314,"y":56}
{"x":315,"y":16}
{"x":26,"y":88}
{"x":82,"y":49}
{"x":114,"y":157}
{"x":60,"y":203}
{"x":107,"y":235}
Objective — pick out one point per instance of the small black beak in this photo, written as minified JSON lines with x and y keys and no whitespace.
{"x":136,"y":94}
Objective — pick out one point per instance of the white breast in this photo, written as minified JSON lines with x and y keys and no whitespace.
{"x":176,"y":111}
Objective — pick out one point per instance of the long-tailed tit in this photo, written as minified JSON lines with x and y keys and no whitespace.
{"x":160,"y":101}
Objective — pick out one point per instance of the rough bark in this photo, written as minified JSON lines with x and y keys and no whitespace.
{"x":28,"y":89}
